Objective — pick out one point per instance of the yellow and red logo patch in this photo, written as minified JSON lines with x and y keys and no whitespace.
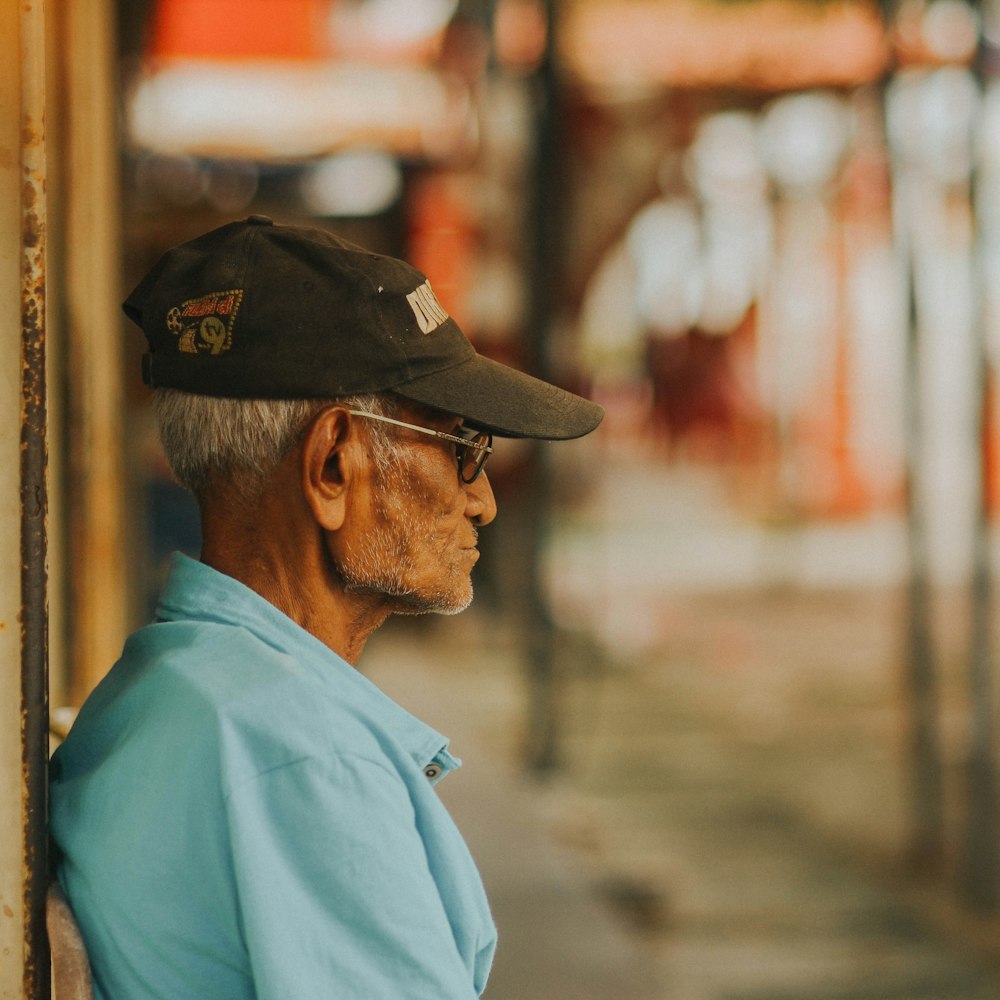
{"x":205,"y":325}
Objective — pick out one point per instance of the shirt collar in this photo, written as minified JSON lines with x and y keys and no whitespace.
{"x":196,"y":592}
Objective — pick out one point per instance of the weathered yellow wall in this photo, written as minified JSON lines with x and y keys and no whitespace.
{"x":85,"y":206}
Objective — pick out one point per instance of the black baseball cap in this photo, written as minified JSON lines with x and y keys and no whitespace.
{"x":258,"y":310}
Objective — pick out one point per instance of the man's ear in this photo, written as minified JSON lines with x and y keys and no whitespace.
{"x":326,"y":469}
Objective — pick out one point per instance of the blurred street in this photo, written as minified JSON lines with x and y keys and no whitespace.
{"x":730,"y":818}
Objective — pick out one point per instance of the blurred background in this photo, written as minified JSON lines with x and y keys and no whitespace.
{"x":727,"y":695}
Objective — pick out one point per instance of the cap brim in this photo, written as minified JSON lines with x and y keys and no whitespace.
{"x":505,"y":401}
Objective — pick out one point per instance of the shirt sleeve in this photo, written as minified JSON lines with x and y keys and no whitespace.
{"x":336,"y":896}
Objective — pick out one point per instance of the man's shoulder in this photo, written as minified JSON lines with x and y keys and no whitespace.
{"x":271,"y":699}
{"x":212,"y":654}
{"x":227,"y":666}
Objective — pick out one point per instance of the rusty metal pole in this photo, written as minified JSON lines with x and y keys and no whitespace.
{"x":24,"y":964}
{"x":34,"y":502}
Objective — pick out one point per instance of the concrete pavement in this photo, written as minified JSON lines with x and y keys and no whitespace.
{"x":673,"y":860}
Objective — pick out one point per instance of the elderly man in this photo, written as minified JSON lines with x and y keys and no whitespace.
{"x":237,"y":812}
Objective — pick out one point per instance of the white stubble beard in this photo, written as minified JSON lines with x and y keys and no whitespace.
{"x":380,"y":564}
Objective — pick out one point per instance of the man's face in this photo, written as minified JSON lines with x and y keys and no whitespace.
{"x":417,"y":537}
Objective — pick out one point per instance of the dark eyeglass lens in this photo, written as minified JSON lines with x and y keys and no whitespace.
{"x":472,"y":460}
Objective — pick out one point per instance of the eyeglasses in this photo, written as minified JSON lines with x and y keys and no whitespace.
{"x":471,"y":453}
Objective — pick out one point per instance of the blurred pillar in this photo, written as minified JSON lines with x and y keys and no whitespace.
{"x":926,"y":848}
{"x":23,"y":504}
{"x":927,"y":787}
{"x":979,"y":869}
{"x":544,"y":266}
{"x":87,"y":317}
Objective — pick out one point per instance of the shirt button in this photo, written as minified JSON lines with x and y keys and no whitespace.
{"x":432,"y":771}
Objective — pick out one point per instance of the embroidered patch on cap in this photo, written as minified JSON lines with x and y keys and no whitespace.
{"x":430,"y":315}
{"x":205,"y":325}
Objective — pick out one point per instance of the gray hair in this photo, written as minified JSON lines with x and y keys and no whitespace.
{"x":208,"y":439}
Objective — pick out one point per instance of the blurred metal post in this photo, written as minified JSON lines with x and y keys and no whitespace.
{"x":23,"y":505}
{"x":927,"y":835}
{"x":926,"y":849}
{"x":545,"y":270}
{"x":979,"y":865}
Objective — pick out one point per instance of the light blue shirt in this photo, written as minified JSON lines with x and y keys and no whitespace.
{"x":239,"y":813}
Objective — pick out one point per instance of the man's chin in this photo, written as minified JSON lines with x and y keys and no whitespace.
{"x":402,"y":596}
{"x":432,"y":604}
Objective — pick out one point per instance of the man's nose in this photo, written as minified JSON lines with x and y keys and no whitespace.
{"x":481,"y":505}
